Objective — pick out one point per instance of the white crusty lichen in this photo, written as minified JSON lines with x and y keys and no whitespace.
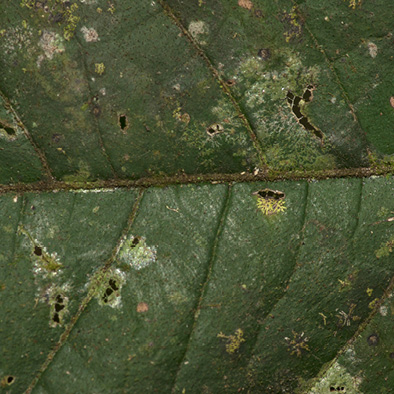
{"x":135,"y":252}
{"x":337,"y":376}
{"x":105,"y":286}
{"x":90,"y":34}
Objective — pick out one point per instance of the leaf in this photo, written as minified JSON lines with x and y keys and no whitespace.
{"x":196,"y":197}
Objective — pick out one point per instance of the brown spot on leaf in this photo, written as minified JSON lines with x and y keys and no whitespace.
{"x":373,"y":340}
{"x":247,"y":4}
{"x":142,"y":307}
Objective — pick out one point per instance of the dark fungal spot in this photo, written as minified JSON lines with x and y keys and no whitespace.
{"x":59,"y":299}
{"x":37,"y":250}
{"x":56,"y":318}
{"x":96,"y":110}
{"x":59,"y":307}
{"x":373,"y":340}
{"x":264,"y":53}
{"x":109,"y":291}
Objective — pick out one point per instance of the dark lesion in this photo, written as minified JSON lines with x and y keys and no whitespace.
{"x":7,"y":128}
{"x":214,"y":129}
{"x":59,"y":306}
{"x":270,"y":194}
{"x":7,"y":380}
{"x":123,"y":122}
{"x":295,"y":103}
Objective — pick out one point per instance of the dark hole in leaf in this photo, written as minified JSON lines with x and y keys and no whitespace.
{"x":37,"y":251}
{"x":105,"y":298}
{"x":8,"y":130}
{"x":123,"y":122}
{"x":297,"y":112}
{"x":58,"y":307}
{"x":135,"y":242}
{"x":332,"y":388}
{"x":307,"y":95}
{"x":56,"y":318}
{"x":290,"y":98}
{"x":112,"y":283}
{"x":214,"y":129}
{"x":271,"y":194}
{"x":59,"y":299}
{"x":109,"y":291}
{"x":10,"y":379}
{"x":230,"y":82}
{"x":294,"y":102}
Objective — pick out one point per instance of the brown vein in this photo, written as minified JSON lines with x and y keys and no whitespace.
{"x":266,"y":176}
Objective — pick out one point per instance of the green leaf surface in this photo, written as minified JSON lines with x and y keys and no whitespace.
{"x":196,"y":196}
{"x":221,"y":265}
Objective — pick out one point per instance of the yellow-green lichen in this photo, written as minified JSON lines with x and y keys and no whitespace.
{"x":271,"y":202}
{"x":354,"y":3}
{"x":298,"y":344}
{"x":385,"y":249}
{"x":99,"y":68}
{"x":233,"y":341}
{"x":63,"y":13}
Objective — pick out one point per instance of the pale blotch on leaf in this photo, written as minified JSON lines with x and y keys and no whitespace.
{"x":142,"y":307}
{"x":197,"y":30}
{"x":337,"y":377}
{"x":105,"y":286}
{"x":58,"y":301}
{"x":51,"y":43}
{"x":90,"y":34}
{"x":137,"y":253}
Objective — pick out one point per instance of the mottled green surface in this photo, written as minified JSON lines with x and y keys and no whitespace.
{"x":122,"y":90}
{"x":191,"y":288}
{"x":309,"y":274}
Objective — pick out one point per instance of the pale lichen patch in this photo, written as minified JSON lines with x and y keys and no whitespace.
{"x":105,"y":286}
{"x":337,"y":376}
{"x":51,"y":43}
{"x":135,"y":252}
{"x":90,"y":34}
{"x":372,"y":49}
{"x":198,"y":29}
